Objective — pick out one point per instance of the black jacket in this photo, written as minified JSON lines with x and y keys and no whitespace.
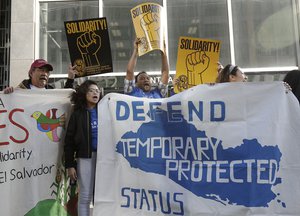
{"x":78,"y":139}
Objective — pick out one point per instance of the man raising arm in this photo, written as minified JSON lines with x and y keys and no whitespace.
{"x":140,"y":85}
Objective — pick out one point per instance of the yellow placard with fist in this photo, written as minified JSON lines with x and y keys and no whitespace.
{"x":147,"y":21}
{"x":196,"y":62}
{"x":89,"y":46}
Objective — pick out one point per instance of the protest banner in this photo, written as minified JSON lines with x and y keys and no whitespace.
{"x":89,"y":46}
{"x":148,"y":24}
{"x":196,"y":62}
{"x":33,"y":180}
{"x":227,"y":149}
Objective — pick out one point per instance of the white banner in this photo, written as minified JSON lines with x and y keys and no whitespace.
{"x":228,"y":149}
{"x":32,"y":175}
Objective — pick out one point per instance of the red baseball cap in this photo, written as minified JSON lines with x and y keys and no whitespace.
{"x":41,"y":63}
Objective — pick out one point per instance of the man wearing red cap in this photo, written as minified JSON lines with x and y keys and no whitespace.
{"x":39,"y":76}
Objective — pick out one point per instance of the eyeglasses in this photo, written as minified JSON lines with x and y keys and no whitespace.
{"x":92,"y":90}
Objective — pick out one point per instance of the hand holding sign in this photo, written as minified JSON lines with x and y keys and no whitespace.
{"x":89,"y":44}
{"x":196,"y":63}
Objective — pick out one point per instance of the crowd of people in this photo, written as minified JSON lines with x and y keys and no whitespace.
{"x":80,"y":147}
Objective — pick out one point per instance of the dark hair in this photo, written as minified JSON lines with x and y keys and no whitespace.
{"x":136,"y":77}
{"x":29,"y":72}
{"x":78,"y":98}
{"x":225,"y":73}
{"x":293,"y":79}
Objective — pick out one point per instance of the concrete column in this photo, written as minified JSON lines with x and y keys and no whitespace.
{"x":22,"y":39}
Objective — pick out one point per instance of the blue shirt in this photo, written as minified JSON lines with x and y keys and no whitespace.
{"x":137,"y":92}
{"x":130,"y":89}
{"x":94,"y":127}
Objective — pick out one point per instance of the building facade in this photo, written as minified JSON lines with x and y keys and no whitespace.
{"x":261,"y":36}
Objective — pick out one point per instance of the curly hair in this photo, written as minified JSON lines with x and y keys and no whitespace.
{"x":225,"y":73}
{"x":78,"y":98}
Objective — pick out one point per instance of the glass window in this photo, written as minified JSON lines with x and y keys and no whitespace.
{"x":264,"y":33}
{"x":200,"y":19}
{"x":53,"y":41}
{"x":122,"y":35}
{"x":264,"y":30}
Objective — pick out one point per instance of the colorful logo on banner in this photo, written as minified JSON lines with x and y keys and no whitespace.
{"x":243,"y":175}
{"x":49,"y":123}
{"x":66,"y":198}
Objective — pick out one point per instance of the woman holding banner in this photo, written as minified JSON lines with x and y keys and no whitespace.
{"x":81,"y":142}
{"x":231,"y":73}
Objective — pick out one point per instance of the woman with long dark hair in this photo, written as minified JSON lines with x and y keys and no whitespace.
{"x":81,"y":142}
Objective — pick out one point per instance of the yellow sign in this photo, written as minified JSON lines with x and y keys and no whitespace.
{"x":147,"y":21}
{"x":196,"y":62}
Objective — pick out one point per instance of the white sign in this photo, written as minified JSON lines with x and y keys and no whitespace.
{"x":33,"y":180}
{"x":225,"y":149}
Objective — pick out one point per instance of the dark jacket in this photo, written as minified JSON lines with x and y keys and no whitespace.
{"x":25,"y":84}
{"x":78,"y":139}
